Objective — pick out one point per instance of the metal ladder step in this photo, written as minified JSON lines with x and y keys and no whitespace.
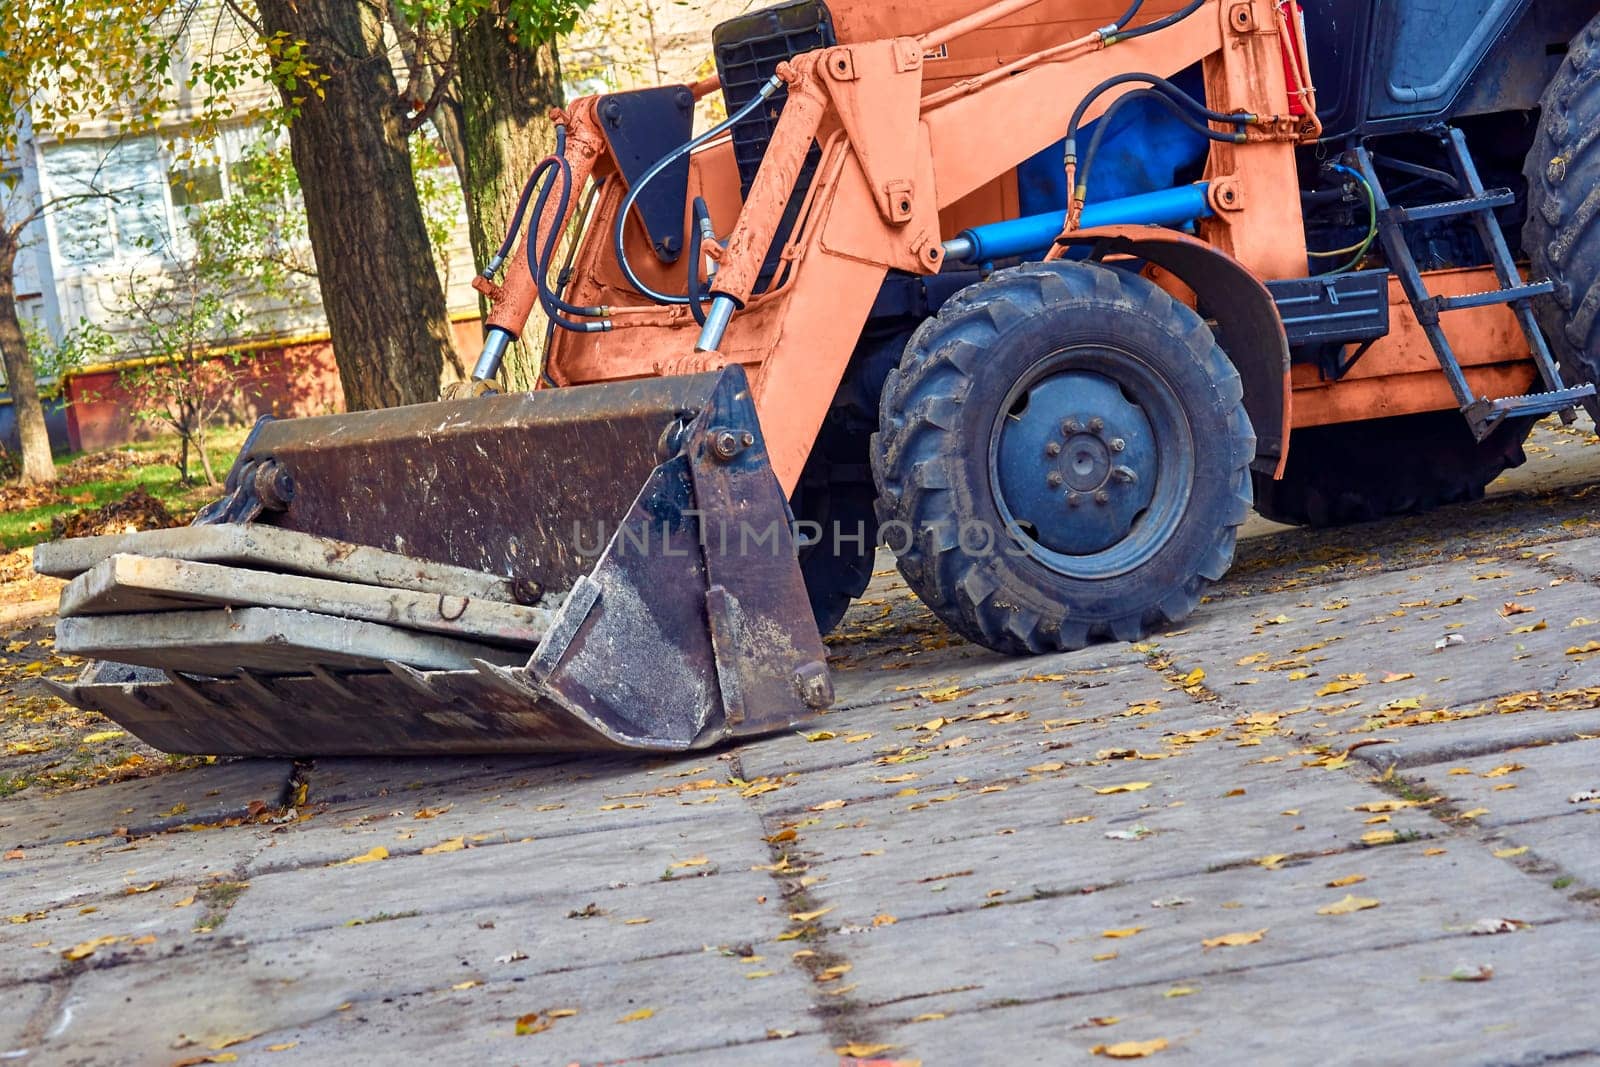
{"x":1508,"y":295}
{"x":1531,"y":404}
{"x":1488,"y":201}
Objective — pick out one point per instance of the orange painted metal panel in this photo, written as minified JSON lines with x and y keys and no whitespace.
{"x":1400,"y":375}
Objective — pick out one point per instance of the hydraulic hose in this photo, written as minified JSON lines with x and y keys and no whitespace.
{"x":499,"y":258}
{"x":1170,"y":104}
{"x":1076,"y":190}
{"x":539,"y":258}
{"x":1160,"y":85}
{"x":771,"y":86}
{"x":699,"y":230}
{"x":1159,"y":24}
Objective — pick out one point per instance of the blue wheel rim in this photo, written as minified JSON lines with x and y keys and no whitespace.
{"x":1091,"y":462}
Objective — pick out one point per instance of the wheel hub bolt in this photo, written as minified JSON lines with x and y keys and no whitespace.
{"x":1097,"y":424}
{"x":1071,"y":426}
{"x":1126,"y":475}
{"x":1054,"y":479}
{"x":1074,"y":499}
{"x":1118,"y":444}
{"x":1052,"y":449}
{"x":1102,"y":497}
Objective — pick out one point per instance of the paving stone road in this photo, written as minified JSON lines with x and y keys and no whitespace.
{"x":1281,"y":834}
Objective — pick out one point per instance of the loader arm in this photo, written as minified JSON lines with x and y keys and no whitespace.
{"x":893,"y":157}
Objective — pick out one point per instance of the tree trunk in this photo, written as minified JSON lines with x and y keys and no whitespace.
{"x":37,"y":464}
{"x":380,"y":289}
{"x":507,"y":90}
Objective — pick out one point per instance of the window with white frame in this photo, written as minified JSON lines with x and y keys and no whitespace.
{"x":129,"y":199}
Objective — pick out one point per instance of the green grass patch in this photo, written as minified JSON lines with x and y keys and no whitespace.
{"x":29,"y":526}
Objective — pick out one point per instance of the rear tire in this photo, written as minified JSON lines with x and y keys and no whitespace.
{"x":834,"y":500}
{"x":1561,"y":236}
{"x":1363,"y":471}
{"x":1025,"y":399}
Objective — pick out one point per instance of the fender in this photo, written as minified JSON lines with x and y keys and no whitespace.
{"x":1248,"y":328}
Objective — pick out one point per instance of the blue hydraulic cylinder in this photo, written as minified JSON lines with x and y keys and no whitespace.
{"x":1017,"y":237}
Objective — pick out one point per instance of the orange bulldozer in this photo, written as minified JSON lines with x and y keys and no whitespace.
{"x":1041,"y":295}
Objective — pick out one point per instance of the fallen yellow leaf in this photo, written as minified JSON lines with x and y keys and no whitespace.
{"x":454,"y":844}
{"x":533,"y":1023}
{"x":237,"y":1039}
{"x":1045,"y":768}
{"x":1503,"y":770}
{"x":1350,"y":903}
{"x":470,"y":983}
{"x":1125,"y":787}
{"x":1507,"y":853}
{"x":1247,"y":937}
{"x":807,"y":916}
{"x":1379,"y":837}
{"x":103,"y":735}
{"x":1274,"y":861}
{"x":372,"y":855}
{"x":1130,"y":1050}
{"x":1474,"y":813}
{"x":634,"y":922}
{"x":1349,"y":879}
{"x":282,"y":1046}
{"x":821,"y":735}
{"x":861,"y":1050}
{"x":1386,"y":805}
{"x":1101,"y":957}
{"x":86,"y":949}
{"x":1126,"y":931}
{"x":1180,"y":991}
{"x":692,"y":861}
{"x":637,"y":1016}
{"x":884,"y":920}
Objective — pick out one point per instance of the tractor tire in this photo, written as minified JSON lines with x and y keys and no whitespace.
{"x":1559,"y":236}
{"x":836,"y":560}
{"x":1062,"y":457}
{"x":1363,"y":471}
{"x":834,"y":500}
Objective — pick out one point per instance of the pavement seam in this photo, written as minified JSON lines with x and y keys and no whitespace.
{"x":840,"y":1014}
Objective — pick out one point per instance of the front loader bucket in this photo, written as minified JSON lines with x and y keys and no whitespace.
{"x":590,"y":568}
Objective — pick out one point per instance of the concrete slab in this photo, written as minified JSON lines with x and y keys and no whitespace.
{"x":1463,"y":740}
{"x":1517,"y":784}
{"x":145,"y":806}
{"x":1564,"y":845}
{"x":307,"y":898}
{"x":20,"y":1011}
{"x":272,"y":548}
{"x":336,"y":994}
{"x":1360,"y":1007}
{"x":1039,"y":949}
{"x":126,"y":584}
{"x":271,"y":640}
